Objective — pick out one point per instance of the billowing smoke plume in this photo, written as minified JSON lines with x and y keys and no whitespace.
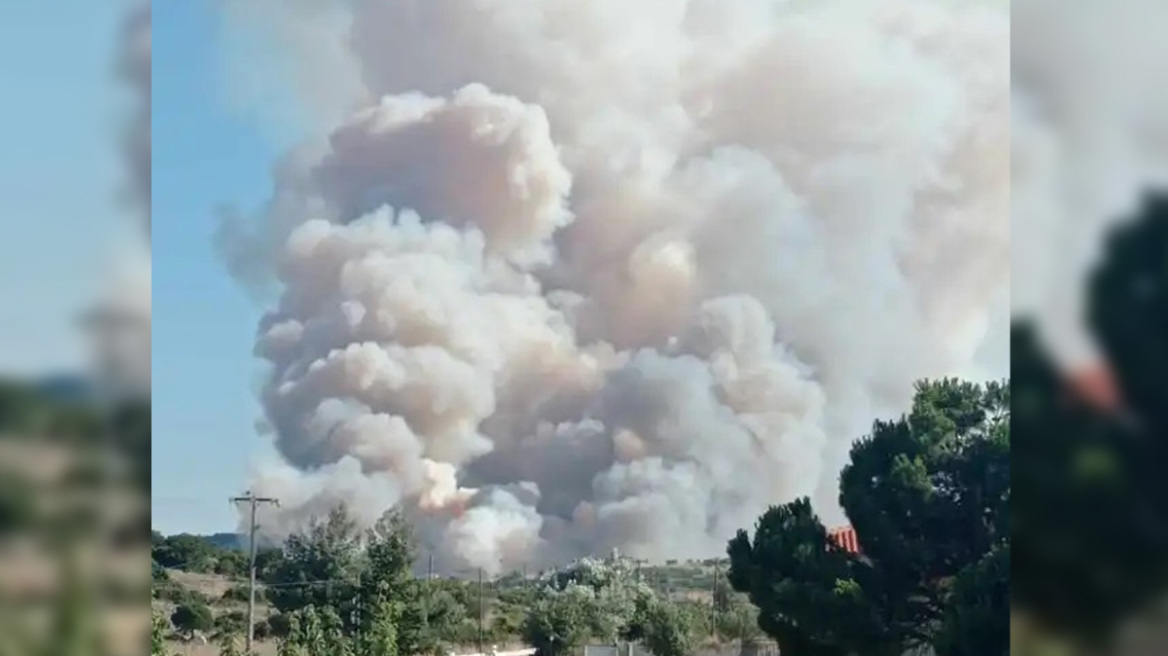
{"x":1090,"y":137}
{"x":583,"y":274}
{"x":119,"y":324}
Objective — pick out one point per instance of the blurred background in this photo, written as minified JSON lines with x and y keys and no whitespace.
{"x":75,"y":328}
{"x":1089,"y":279}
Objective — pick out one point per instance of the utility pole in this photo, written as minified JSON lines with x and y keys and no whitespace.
{"x":358,"y":627}
{"x":426,"y":593}
{"x":480,"y":610}
{"x":714,"y":604}
{"x":254,"y":502}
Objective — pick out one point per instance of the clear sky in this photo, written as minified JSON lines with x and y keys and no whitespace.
{"x":59,"y":171}
{"x":205,"y":156}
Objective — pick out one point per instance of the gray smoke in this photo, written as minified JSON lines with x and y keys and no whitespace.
{"x":119,"y":322}
{"x":582,"y":274}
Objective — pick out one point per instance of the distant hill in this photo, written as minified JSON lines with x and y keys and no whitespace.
{"x":231,"y":541}
{"x":68,"y":388}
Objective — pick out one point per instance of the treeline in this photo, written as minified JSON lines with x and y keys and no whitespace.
{"x":66,"y":411}
{"x":337,"y":590}
{"x":61,"y":415}
{"x":31,"y":409}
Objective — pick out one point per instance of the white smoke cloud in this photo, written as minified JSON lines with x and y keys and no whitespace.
{"x":587,"y":274}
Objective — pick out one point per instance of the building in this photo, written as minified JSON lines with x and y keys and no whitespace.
{"x":845,"y":538}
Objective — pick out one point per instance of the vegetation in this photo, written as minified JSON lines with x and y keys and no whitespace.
{"x":928,"y":497}
{"x":56,"y":497}
{"x":190,"y":618}
{"x":334,"y":587}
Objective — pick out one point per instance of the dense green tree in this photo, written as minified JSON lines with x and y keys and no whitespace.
{"x":314,"y":632}
{"x":379,"y":635}
{"x":927,"y":494}
{"x":189,"y":618}
{"x":448,"y":617}
{"x":977,"y":612}
{"x":191,"y":553}
{"x":18,"y":503}
{"x":668,"y":630}
{"x":363,"y":582}
{"x":604,"y":601}
{"x":389,"y":591}
{"x":806,"y":587}
{"x":231,"y":563}
{"x":320,"y":566}
{"x":559,"y":622}
{"x":268,"y":561}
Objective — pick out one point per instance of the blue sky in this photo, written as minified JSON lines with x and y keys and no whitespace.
{"x":204,"y":375}
{"x":59,"y":171}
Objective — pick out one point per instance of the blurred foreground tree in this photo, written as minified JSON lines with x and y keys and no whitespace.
{"x":1090,"y":518}
{"x":928,"y":496}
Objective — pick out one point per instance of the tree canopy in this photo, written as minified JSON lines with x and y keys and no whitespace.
{"x":607,"y":601}
{"x":928,"y":496}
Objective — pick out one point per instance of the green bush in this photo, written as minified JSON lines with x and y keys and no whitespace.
{"x":18,"y":508}
{"x":189,"y":618}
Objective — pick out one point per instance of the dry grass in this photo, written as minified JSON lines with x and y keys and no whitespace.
{"x":211,"y":585}
{"x":41,"y":461}
{"x":32,"y":573}
{"x":263,"y":648}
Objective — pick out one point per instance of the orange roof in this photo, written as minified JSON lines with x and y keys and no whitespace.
{"x":845,"y":538}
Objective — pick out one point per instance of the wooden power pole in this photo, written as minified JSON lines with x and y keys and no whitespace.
{"x":481,"y":610}
{"x":254,"y":502}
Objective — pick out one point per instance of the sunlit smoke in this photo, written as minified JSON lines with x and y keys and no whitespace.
{"x":580,"y":275}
